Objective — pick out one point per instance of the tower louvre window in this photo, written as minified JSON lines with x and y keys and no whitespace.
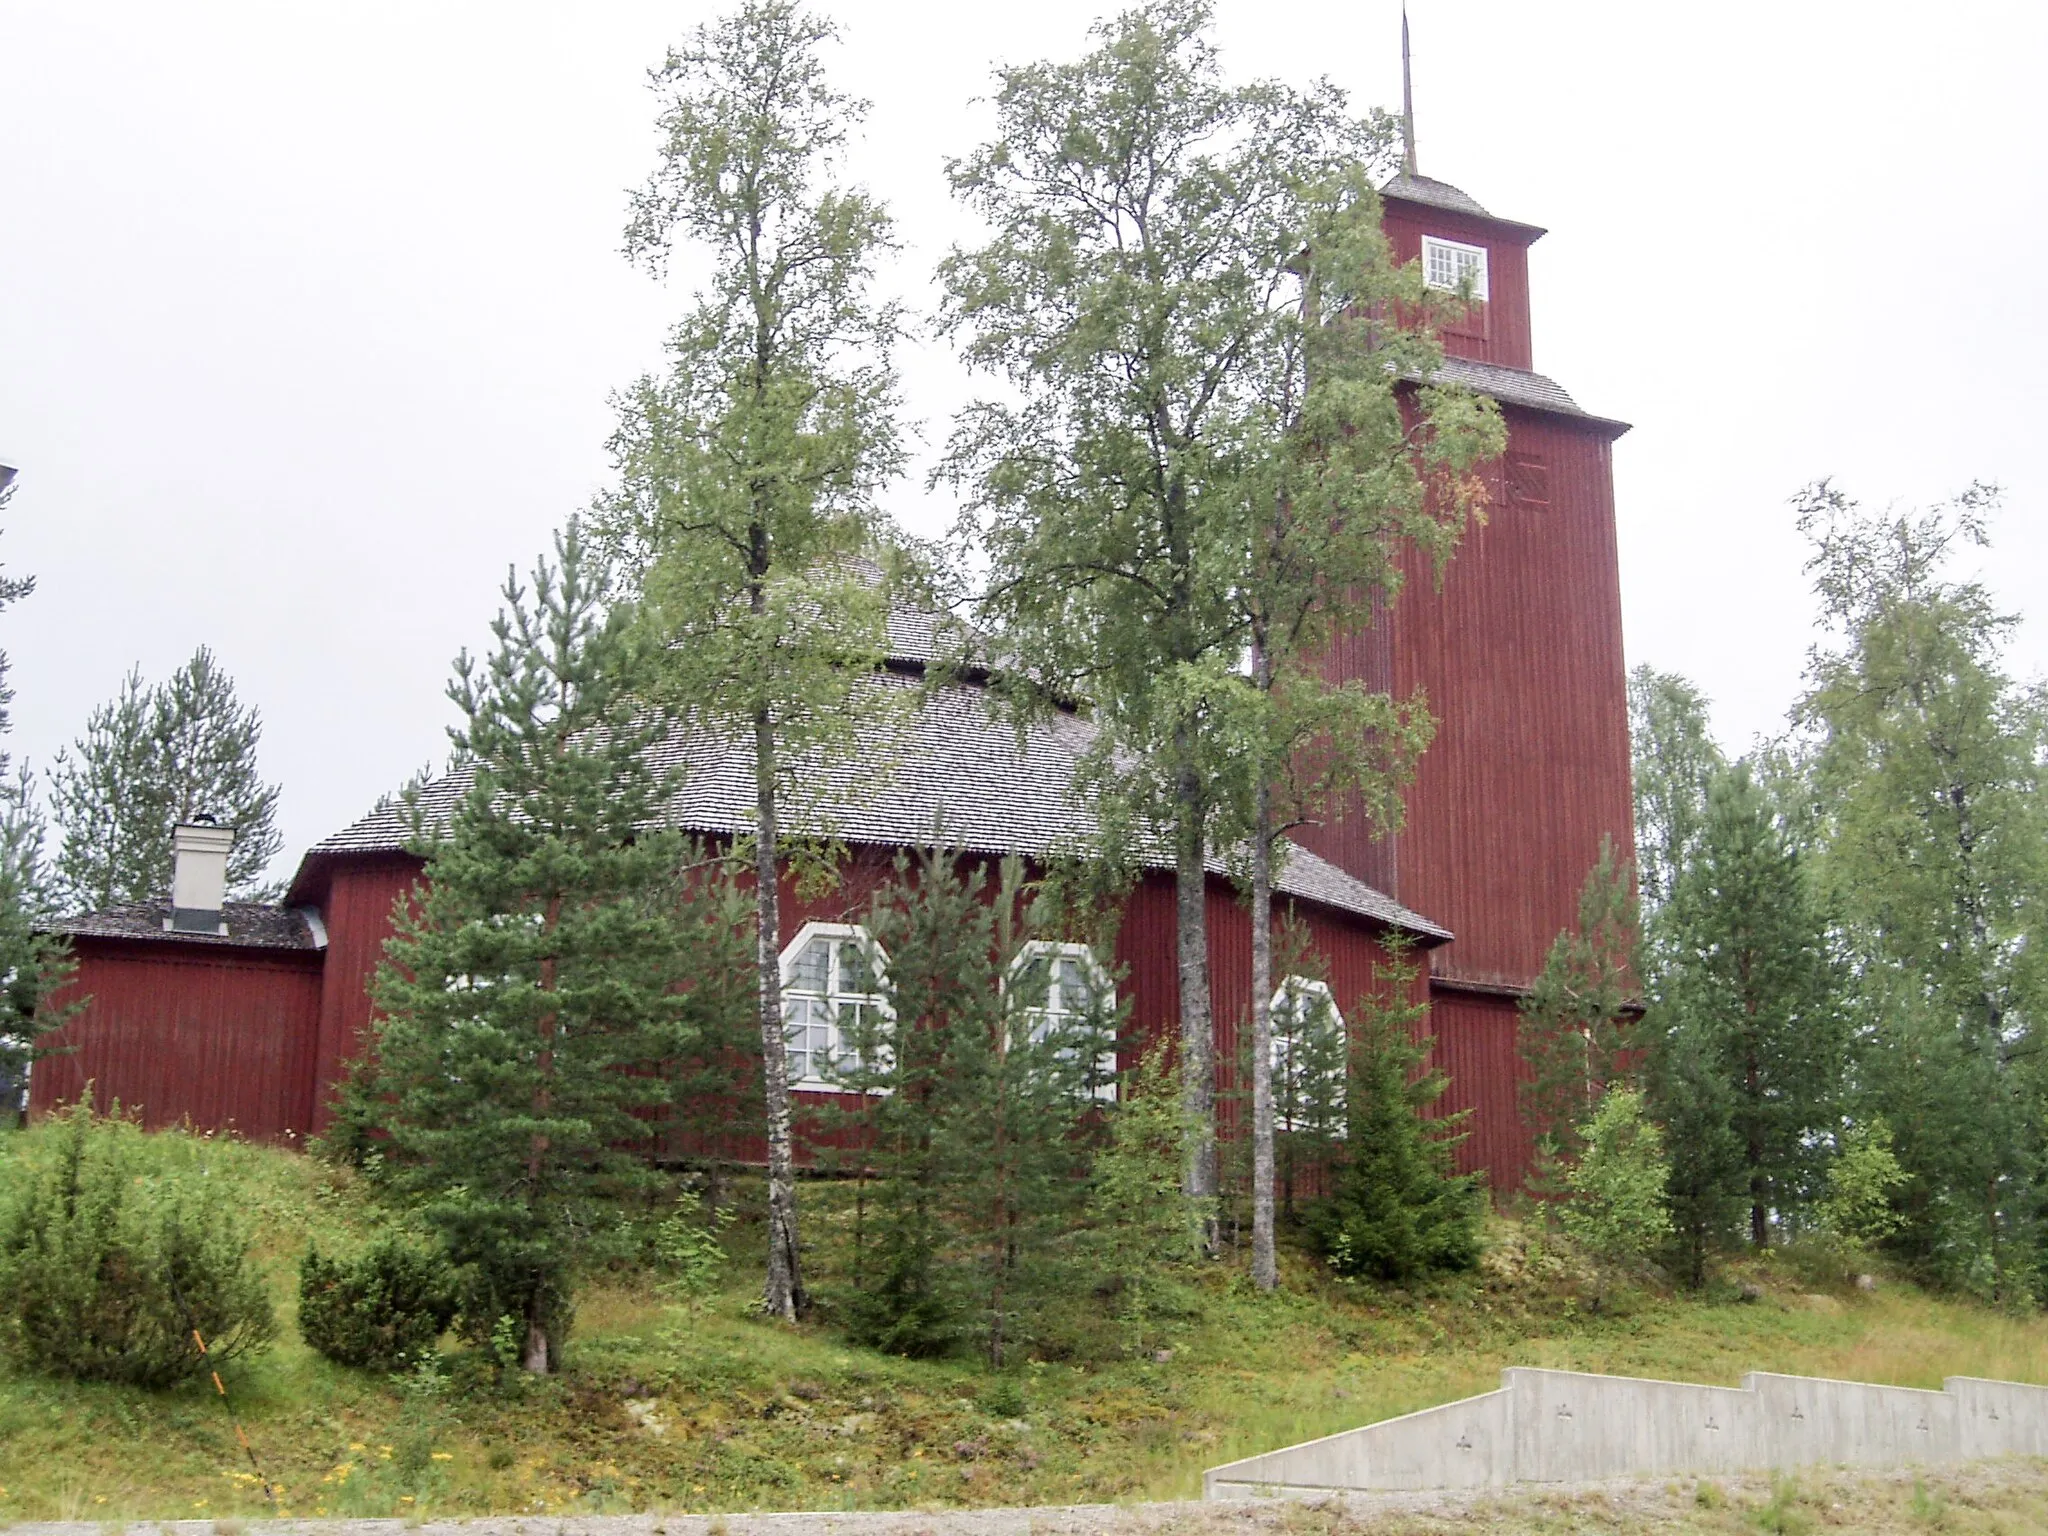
{"x":1447,"y":263}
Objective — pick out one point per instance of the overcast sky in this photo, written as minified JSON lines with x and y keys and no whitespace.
{"x":309,"y":313}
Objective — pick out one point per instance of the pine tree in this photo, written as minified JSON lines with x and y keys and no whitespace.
{"x":1397,"y":1210}
{"x":1750,"y":986}
{"x":979,"y":1084}
{"x":748,"y":468}
{"x":537,"y":976}
{"x":1573,"y":1031}
{"x":1688,"y":1087}
{"x":1142,"y":1229}
{"x":148,"y":759}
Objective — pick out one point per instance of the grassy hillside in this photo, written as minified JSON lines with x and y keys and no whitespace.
{"x":715,"y":1410}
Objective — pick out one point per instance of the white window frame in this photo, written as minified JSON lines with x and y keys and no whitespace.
{"x":1284,"y":1014}
{"x":1105,"y":992}
{"x":833,"y":996}
{"x":1453,"y":251}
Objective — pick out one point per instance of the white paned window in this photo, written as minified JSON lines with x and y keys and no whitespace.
{"x":831,"y":995}
{"x":1065,"y":992}
{"x":1310,"y":1047}
{"x":1447,"y":263}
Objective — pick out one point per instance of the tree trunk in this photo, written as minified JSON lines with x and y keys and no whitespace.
{"x":537,"y":1355}
{"x":1265,"y":1264}
{"x":1197,"y":1040}
{"x":783,"y":1294}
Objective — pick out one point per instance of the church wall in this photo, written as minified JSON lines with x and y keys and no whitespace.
{"x":357,"y":908}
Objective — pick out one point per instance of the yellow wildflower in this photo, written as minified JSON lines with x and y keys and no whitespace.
{"x":355,"y":1445}
{"x":444,"y":1456}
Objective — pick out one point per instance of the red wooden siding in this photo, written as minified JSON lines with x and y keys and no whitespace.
{"x":222,"y":1038}
{"x":1520,"y":657}
{"x":1475,"y":1044}
{"x":356,"y":907}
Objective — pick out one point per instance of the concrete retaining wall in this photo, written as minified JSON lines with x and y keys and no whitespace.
{"x":1567,"y":1426}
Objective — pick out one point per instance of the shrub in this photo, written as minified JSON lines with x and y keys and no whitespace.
{"x":112,"y":1253}
{"x":1857,"y":1207}
{"x":381,"y":1311}
{"x":1619,"y":1210}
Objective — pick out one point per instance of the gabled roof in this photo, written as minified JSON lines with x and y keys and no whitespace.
{"x":250,"y":925}
{"x":931,"y":765}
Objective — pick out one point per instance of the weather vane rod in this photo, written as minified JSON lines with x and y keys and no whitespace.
{"x":1407,"y":101}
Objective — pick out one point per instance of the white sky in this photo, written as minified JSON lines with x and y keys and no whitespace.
{"x":309,"y":312}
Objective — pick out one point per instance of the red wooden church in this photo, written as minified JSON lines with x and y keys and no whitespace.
{"x":241,"y":1016}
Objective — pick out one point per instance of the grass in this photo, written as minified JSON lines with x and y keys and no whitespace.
{"x":714,"y":1410}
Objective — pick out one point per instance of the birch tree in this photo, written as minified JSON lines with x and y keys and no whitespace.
{"x":1144,"y":223}
{"x":1927,"y":762}
{"x":1346,"y":466}
{"x":748,"y":466}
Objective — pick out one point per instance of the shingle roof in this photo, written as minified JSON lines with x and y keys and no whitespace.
{"x":251,"y":925}
{"x":1518,"y":386}
{"x":1432,"y":193}
{"x":933,"y":766}
{"x":1437,"y":194}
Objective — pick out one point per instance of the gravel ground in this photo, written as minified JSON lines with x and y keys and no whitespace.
{"x":1858,"y":1500}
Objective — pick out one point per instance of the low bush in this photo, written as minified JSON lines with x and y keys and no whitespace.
{"x":381,"y":1311}
{"x":115,"y":1246}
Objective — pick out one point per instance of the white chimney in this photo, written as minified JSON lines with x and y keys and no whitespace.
{"x":199,"y":875}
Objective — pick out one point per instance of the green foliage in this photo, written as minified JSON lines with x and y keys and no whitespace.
{"x":380,"y":1311}
{"x":539,"y":971}
{"x":691,"y":1256}
{"x":1674,"y":759}
{"x":1862,"y":1184}
{"x":1311,"y":1065}
{"x":1747,"y":1027}
{"x":975,"y":1088}
{"x":111,"y":1254}
{"x":1143,"y":1232}
{"x":1925,"y":762}
{"x":1573,"y":1029}
{"x":150,"y":758}
{"x":1199,"y":445}
{"x":748,"y":467}
{"x":1397,"y":1210}
{"x":1618,"y":1208}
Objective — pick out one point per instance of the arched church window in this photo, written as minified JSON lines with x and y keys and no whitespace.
{"x":1066,"y":997}
{"x":832,"y":1004}
{"x":1310,"y":1056}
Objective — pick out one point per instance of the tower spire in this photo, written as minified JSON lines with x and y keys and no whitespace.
{"x":1407,"y":101}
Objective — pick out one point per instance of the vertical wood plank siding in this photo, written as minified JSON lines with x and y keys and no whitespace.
{"x":1520,"y":655}
{"x":219,"y":1038}
{"x":1475,"y":1044}
{"x":361,"y":893}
